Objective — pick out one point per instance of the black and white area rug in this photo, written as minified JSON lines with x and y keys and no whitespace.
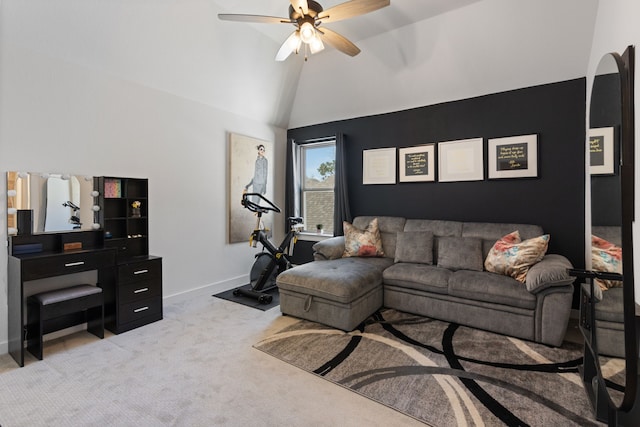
{"x":441,"y":373}
{"x":248,"y":301}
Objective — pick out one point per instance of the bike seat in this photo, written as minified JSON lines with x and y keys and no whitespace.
{"x":295,"y":219}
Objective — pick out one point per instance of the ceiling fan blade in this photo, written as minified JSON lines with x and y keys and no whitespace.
{"x":300,"y":4}
{"x":261,"y":19}
{"x":338,"y":41}
{"x":350,"y":9}
{"x":290,"y":45}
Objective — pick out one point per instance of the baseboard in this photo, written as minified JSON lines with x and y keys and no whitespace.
{"x":208,"y":290}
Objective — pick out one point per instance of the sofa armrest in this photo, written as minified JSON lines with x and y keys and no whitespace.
{"x":331,"y":248}
{"x":551,"y":271}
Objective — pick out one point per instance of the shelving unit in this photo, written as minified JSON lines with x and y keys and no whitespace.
{"x":126,"y":232}
{"x":136,"y":299}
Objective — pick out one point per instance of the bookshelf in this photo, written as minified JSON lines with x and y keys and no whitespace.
{"x":125,"y":228}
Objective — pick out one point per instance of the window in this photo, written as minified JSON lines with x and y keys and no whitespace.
{"x":317,"y":172}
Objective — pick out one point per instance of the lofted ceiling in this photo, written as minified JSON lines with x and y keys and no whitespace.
{"x":398,"y":14}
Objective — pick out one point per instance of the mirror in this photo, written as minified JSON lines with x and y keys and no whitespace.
{"x":611,"y":170}
{"x":606,"y":220}
{"x":49,"y":202}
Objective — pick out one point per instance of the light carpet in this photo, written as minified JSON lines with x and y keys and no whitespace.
{"x":196,"y":367}
{"x":441,"y":373}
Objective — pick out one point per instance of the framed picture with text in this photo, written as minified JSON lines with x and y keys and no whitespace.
{"x":379,"y":166}
{"x":417,"y":163}
{"x":601,"y":151}
{"x":513,"y":157}
{"x":461,"y":160}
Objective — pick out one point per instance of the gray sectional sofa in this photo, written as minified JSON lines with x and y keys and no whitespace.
{"x":439,"y":277}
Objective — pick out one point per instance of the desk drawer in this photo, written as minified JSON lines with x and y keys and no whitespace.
{"x":148,"y":270}
{"x":58,"y":265}
{"x":137,"y":310}
{"x":140,"y":290}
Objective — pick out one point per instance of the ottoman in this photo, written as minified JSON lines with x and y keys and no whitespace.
{"x":341,"y":293}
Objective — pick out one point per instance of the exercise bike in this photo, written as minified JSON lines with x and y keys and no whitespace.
{"x":272,"y":260}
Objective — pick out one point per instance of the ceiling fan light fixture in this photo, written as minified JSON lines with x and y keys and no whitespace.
{"x":294,"y":42}
{"x":306,"y":16}
{"x":291,"y":45}
{"x":307,"y":32}
{"x":316,"y":45}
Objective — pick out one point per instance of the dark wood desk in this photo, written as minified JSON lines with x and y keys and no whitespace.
{"x":49,"y":261}
{"x":45,"y":258}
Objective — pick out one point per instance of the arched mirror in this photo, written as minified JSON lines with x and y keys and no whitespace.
{"x":612,"y":345}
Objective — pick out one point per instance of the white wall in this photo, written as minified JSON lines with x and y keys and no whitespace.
{"x":176,"y":46}
{"x":142,"y":89}
{"x":487,"y":47}
{"x":616,"y":28}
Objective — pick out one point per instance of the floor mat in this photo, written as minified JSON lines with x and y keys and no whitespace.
{"x":250,"y":302}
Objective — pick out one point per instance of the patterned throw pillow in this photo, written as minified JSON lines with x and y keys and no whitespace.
{"x":606,"y":256}
{"x":513,"y":257}
{"x":362,"y":243}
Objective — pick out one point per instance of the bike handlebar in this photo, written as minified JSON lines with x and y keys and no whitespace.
{"x":256,"y":207}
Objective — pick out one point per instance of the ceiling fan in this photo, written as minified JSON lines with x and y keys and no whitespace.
{"x":307,"y":16}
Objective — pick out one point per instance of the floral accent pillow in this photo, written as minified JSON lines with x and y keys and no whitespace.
{"x":513,"y":257}
{"x":362,"y":243}
{"x":606,"y":256}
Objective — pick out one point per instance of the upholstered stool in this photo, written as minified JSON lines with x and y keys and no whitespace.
{"x":54,"y":304}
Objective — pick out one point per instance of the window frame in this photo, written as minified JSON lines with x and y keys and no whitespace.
{"x":302,"y":147}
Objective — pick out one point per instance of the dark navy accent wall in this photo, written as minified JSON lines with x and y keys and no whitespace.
{"x":606,"y":190}
{"x":555,"y":200}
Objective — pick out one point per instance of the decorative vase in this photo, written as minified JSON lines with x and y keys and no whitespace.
{"x":135,"y":212}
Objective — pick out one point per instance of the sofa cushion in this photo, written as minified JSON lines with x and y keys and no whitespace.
{"x":388,"y":226}
{"x":512,"y":257}
{"x":439,"y":228}
{"x":331,"y":248}
{"x":342,"y":280}
{"x":494,"y":231}
{"x":550,"y":271}
{"x":610,"y":308}
{"x":362,"y":243}
{"x":606,"y":256}
{"x":490,"y":287}
{"x":460,"y":253}
{"x":418,"y":276}
{"x":414,"y":246}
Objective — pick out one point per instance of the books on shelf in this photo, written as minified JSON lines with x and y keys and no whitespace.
{"x":112,"y":188}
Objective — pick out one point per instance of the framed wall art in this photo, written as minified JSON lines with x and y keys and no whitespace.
{"x":379,"y":166}
{"x":601,"y":151}
{"x":417,"y":163}
{"x":250,"y":171}
{"x":461,"y":160}
{"x":513,"y":157}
